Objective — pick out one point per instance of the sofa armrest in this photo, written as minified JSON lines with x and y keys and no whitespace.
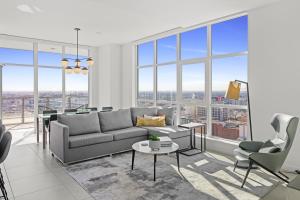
{"x":59,"y":139}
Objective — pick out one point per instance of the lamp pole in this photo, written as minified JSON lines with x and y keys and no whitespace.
{"x":249,"y":108}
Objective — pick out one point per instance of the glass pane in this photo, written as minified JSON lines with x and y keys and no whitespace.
{"x":225,"y":70}
{"x":76,"y":90}
{"x":17,"y":97}
{"x":145,"y":103}
{"x":194,"y":44}
{"x":193,"y":81}
{"x":16,"y":56}
{"x":145,"y":54}
{"x":230,"y":123}
{"x":50,"y":89}
{"x":145,"y":83}
{"x":50,"y":55}
{"x":166,"y":83}
{"x":166,"y":49}
{"x":230,"y":36}
{"x":193,"y":113}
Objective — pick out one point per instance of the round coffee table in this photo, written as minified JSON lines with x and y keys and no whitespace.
{"x":143,"y":147}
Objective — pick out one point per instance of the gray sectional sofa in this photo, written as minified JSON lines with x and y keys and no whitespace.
{"x":75,"y":138}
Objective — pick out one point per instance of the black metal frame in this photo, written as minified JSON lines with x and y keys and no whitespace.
{"x":249,"y":108}
{"x":193,"y":141}
{"x":154,"y":163}
{"x":285,"y":179}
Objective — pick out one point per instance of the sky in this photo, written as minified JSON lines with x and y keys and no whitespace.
{"x":18,"y":78}
{"x":227,"y":37}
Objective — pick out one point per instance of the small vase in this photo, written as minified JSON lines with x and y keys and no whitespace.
{"x":154,"y":145}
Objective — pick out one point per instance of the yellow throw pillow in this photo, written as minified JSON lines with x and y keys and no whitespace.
{"x":158,"y":121}
{"x":139,"y":121}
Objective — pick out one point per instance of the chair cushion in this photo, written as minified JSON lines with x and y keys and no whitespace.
{"x":128,"y":133}
{"x":169,"y":113}
{"x":89,"y":139}
{"x":115,"y":120}
{"x":80,"y":124}
{"x":172,"y":131}
{"x":135,"y":112}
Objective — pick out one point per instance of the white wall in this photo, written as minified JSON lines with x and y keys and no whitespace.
{"x":106,"y":77}
{"x":274,"y":68}
{"x":128,"y":76}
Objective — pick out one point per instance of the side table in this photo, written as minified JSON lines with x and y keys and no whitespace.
{"x":192,"y":127}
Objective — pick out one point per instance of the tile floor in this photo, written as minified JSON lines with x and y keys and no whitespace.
{"x":31,"y":173}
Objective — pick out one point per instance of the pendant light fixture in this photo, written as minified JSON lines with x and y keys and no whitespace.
{"x":77,"y":69}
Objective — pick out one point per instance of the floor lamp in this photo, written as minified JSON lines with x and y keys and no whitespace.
{"x":233,"y":93}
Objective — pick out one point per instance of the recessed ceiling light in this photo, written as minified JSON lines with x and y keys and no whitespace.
{"x":98,"y":33}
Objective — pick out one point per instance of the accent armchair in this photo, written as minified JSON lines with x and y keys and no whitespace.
{"x":271,"y":154}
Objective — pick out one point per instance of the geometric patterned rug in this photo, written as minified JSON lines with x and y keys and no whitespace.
{"x":204,"y":176}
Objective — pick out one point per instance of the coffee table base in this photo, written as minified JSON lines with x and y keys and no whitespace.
{"x":154,"y":163}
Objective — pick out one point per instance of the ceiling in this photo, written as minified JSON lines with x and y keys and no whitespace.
{"x":110,"y":21}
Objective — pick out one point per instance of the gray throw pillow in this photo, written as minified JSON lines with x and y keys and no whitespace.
{"x":169,"y":113}
{"x":269,"y":147}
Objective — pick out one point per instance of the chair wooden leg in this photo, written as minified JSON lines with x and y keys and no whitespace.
{"x":235,"y":164}
{"x":246,"y":176}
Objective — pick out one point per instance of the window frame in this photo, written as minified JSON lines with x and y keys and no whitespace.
{"x":207,"y":61}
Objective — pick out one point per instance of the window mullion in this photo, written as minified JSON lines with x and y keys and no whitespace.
{"x":208,"y":82}
{"x":155,"y":73}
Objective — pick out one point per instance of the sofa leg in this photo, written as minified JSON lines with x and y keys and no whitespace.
{"x":246,"y":176}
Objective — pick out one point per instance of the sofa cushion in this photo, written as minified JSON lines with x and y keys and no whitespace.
{"x":89,"y":139}
{"x":140,"y":112}
{"x":115,"y":120}
{"x":169,"y":113}
{"x":128,"y":133}
{"x":172,"y":131}
{"x":81,"y":124}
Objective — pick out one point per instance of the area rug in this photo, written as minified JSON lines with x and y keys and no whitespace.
{"x":204,"y":176}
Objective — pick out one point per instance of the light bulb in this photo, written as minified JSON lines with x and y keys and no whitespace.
{"x":68,"y":70}
{"x":77,"y":62}
{"x":90,"y":61}
{"x":64,"y":62}
{"x":84,"y":71}
{"x":77,"y":69}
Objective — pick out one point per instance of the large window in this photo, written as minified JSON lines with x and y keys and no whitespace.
{"x":56,"y":90}
{"x":182,"y":71}
{"x":50,"y":77}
